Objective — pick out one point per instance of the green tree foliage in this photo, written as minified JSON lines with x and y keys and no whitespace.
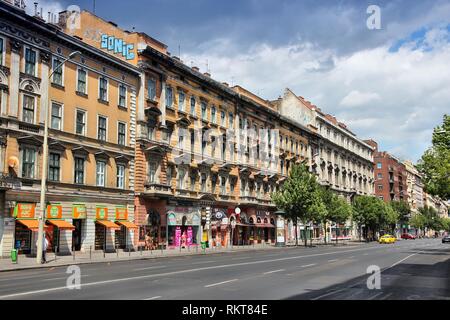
{"x":435,"y":163}
{"x":402,"y":209}
{"x":300,"y":196}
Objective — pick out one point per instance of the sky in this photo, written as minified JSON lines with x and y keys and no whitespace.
{"x":390,"y":84}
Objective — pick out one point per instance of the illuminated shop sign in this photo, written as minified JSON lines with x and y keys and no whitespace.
{"x":118,"y":46}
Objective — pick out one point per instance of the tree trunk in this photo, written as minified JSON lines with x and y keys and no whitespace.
{"x":306,"y":237}
{"x":326,"y":232}
{"x":296,"y":232}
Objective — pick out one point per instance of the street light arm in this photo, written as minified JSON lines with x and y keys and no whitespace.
{"x":71,"y":56}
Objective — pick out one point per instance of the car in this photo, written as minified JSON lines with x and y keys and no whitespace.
{"x":387,"y":238}
{"x":408,"y":236}
{"x":446,"y":239}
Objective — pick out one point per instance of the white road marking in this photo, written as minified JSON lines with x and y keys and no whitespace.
{"x":329,"y":294}
{"x":200,"y":262}
{"x":153,"y":298}
{"x":149,"y":268}
{"x":374,"y":296}
{"x":275,"y":271}
{"x":219,"y":283}
{"x":62,"y":278}
{"x":333,"y":260}
{"x":308,"y":265}
{"x":181,"y":272}
{"x":386,"y":296}
{"x":398,"y":262}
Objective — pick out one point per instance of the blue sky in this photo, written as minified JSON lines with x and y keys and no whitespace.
{"x":390,"y":84}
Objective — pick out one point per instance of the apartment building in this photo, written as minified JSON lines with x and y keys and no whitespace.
{"x":341,"y":161}
{"x":390,"y":176}
{"x":414,"y":187}
{"x":92,"y":104}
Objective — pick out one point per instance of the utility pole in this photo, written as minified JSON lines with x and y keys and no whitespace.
{"x":44,"y":169}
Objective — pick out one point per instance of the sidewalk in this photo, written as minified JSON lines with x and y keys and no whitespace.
{"x":100,"y":257}
{"x":25,"y":263}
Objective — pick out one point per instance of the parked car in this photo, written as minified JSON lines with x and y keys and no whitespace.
{"x":387,"y":238}
{"x":446,"y":239}
{"x":408,"y":236}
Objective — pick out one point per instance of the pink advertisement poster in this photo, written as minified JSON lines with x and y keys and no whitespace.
{"x":178,"y":236}
{"x":189,"y":236}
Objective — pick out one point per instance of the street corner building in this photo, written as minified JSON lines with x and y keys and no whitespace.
{"x":147,"y":152}
{"x":91,"y":103}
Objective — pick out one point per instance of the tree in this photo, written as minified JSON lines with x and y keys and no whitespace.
{"x":299,"y":197}
{"x":402,"y":209}
{"x":418,"y":221}
{"x":435,"y":163}
{"x":372,"y":213}
{"x":339,"y":211}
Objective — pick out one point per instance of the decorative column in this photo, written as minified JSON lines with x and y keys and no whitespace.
{"x":16,"y":47}
{"x":162,"y":101}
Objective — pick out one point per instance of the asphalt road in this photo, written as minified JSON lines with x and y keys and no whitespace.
{"x":410,"y":269}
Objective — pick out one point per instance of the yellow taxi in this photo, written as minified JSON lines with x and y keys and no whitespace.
{"x":387,"y":238}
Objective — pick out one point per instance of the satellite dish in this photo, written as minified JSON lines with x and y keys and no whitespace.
{"x":13,"y":162}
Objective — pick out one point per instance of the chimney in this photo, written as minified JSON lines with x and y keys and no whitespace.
{"x":196,"y":69}
{"x":176,"y":58}
{"x":225,"y":84}
{"x":207,"y":74}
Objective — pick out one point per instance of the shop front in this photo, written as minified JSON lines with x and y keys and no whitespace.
{"x":183,"y":226}
{"x":104,"y":230}
{"x":219,"y":227}
{"x":123,"y":235}
{"x":265,"y":227}
{"x":79,"y":221}
{"x":241,"y":233}
{"x":26,"y":227}
{"x":58,"y":231}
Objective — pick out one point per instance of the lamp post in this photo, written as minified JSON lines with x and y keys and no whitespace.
{"x":44,"y":168}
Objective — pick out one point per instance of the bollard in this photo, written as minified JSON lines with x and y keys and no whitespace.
{"x":117,"y":251}
{"x":141,"y":251}
{"x":90,"y":252}
{"x":129,"y":251}
{"x":73,"y":251}
{"x":104,"y":250}
{"x":56,"y":250}
{"x":196,"y":249}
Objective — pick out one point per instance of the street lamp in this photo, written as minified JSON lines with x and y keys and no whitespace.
{"x":44,"y":167}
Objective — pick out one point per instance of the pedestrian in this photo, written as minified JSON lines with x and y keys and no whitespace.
{"x":44,"y":248}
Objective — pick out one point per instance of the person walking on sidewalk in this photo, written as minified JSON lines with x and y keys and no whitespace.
{"x":44,"y":248}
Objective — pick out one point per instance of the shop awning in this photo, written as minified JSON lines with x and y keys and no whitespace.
{"x":33,"y":224}
{"x":127,"y":224}
{"x":61,"y":224}
{"x":108,"y":224}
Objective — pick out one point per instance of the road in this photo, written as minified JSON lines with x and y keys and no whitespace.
{"x":410,"y":269}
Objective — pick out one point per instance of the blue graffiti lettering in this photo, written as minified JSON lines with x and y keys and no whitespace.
{"x":118,"y":46}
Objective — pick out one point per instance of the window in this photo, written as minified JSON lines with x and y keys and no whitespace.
{"x":169,"y":176}
{"x":101,"y":171}
{"x":2,"y":51}
{"x":56,"y":116}
{"x":121,"y":130}
{"x":152,"y":89}
{"x":102,"y":123}
{"x":81,"y":122}
{"x":379,"y":165}
{"x":122,"y":96}
{"x":380,"y":176}
{"x":224,"y":147}
{"x":54,"y":166}
{"x":103,"y":89}
{"x":192,"y":141}
{"x":192,"y":184}
{"x":79,"y":170}
{"x":57,"y":77}
{"x":28,"y":163}
{"x":181,"y":101}
{"x":121,"y":176}
{"x":30,"y":62}
{"x":28,"y":109}
{"x":181,"y":174}
{"x":193,"y":102}
{"x":82,"y":81}
{"x":222,"y":118}
{"x":223,"y":185}
{"x":230,"y":120}
{"x":213,"y":114}
{"x":169,"y":97}
{"x":181,"y":141}
{"x":204,"y":111}
{"x":380,"y":187}
{"x":203,"y":182}
{"x":152,"y":168}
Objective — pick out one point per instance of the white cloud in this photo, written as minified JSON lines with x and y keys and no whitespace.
{"x":357,"y":99}
{"x":400,"y":95}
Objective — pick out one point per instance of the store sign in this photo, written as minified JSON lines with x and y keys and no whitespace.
{"x":118,"y":46}
{"x":225,"y":221}
{"x":102,"y":213}
{"x":54,"y":212}
{"x":121,"y":213}
{"x":171,"y":219}
{"x":219,"y":214}
{"x":79,"y":211}
{"x":25,"y":211}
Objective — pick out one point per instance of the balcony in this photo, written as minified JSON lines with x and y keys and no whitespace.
{"x":29,"y":127}
{"x":157,"y":189}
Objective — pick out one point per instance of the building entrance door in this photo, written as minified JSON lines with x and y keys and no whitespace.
{"x":76,"y":234}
